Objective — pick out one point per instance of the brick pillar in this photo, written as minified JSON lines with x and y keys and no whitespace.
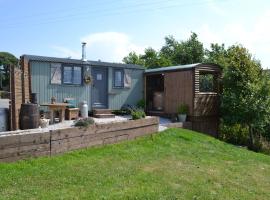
{"x":15,"y":96}
{"x":26,"y":80}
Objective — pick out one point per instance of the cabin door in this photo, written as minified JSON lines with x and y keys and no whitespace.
{"x":99,"y":88}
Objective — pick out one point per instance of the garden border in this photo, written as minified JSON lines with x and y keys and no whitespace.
{"x":23,"y":145}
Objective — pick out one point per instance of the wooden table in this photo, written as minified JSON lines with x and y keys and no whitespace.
{"x":60,"y":107}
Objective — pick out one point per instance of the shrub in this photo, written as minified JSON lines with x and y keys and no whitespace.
{"x":120,"y":112}
{"x":137,"y":114}
{"x":182,"y":109}
{"x":141,"y":104}
{"x":238,"y":135}
{"x":128,"y":109}
{"x":235,"y":134}
{"x":84,"y":122}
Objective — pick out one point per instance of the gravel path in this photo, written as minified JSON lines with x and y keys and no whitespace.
{"x":4,"y":103}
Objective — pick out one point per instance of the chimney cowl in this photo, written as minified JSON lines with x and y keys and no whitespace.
{"x":83,"y":51}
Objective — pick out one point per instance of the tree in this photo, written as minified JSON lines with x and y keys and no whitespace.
{"x":183,"y":52}
{"x":133,"y":58}
{"x":153,"y":59}
{"x":7,"y":59}
{"x":150,"y":59}
{"x":246,"y":93}
{"x":170,"y":48}
{"x":193,"y":51}
{"x":217,"y":55}
{"x":172,"y":53}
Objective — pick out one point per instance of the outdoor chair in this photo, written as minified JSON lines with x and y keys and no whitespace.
{"x":71,"y":111}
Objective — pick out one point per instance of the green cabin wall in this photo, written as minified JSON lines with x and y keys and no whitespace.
{"x":119,"y":97}
{"x":40,"y":84}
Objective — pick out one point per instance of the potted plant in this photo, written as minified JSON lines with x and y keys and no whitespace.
{"x":182,"y":112}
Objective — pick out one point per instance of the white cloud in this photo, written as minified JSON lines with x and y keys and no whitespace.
{"x":109,"y":46}
{"x":106,"y":46}
{"x":254,"y":36}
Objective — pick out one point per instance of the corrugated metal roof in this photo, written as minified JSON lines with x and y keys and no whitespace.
{"x":77,"y":61}
{"x":172,"y":68}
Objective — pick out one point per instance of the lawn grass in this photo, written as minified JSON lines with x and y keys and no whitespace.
{"x":174,"y":164}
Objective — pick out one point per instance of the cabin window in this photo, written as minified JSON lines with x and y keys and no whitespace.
{"x":72,"y":75}
{"x":67,"y":75}
{"x":207,"y":82}
{"x":56,"y":73}
{"x":118,"y":78}
{"x":77,"y":75}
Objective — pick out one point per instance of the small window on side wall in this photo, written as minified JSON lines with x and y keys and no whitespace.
{"x":56,"y":73}
{"x":118,"y":77}
{"x":207,"y":82}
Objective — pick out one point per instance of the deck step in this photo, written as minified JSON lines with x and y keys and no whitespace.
{"x":104,"y":115}
{"x":102,"y":111}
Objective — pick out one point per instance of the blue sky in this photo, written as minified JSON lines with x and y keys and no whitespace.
{"x":112,"y":28}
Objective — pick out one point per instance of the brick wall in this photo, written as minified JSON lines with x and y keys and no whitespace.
{"x":20,"y":86}
{"x":26,"y":80}
{"x":16,"y":97}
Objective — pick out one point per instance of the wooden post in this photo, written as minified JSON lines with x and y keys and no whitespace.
{"x":144,"y":90}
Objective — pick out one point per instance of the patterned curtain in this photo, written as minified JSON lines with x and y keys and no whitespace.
{"x":127,"y":78}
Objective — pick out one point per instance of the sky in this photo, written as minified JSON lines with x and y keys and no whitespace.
{"x":113,"y":28}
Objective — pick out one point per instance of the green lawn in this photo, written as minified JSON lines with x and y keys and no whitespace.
{"x":175,"y":164}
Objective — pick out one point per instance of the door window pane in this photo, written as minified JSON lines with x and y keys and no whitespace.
{"x":99,"y":77}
